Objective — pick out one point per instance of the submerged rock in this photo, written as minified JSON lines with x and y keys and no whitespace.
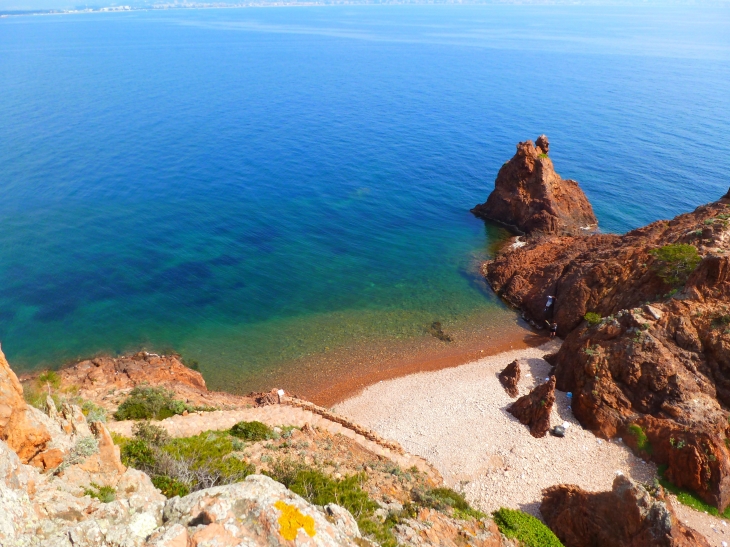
{"x":628,"y":515}
{"x":530,"y":196}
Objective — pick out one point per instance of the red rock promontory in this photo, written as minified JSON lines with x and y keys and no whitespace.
{"x":654,"y":365}
{"x":531,"y":197}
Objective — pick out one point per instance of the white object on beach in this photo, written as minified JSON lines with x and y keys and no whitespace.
{"x":280,"y":393}
{"x":566,"y":425}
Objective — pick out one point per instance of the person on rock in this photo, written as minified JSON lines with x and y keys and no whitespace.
{"x":549,"y":303}
{"x":553,"y":330}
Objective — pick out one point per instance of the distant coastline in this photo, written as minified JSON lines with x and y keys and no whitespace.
{"x":115,"y":8}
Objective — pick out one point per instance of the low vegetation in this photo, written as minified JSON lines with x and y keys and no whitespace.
{"x":592,"y":318}
{"x":445,"y":499}
{"x":150,"y":403}
{"x":313,"y":467}
{"x":105,"y":494}
{"x":252,"y":431}
{"x":525,"y":528}
{"x":675,"y":262}
{"x":320,"y":489}
{"x":180,"y":466}
{"x":642,"y":441}
{"x":688,"y":498}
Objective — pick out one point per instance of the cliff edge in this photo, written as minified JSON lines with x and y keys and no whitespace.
{"x":647,"y":335}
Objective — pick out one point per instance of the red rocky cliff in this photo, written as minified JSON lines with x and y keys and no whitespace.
{"x":530,"y":196}
{"x":626,"y":516}
{"x":19,"y":426}
{"x":656,"y":369}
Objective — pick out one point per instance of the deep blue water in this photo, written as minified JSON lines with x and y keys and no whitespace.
{"x":248,"y":186}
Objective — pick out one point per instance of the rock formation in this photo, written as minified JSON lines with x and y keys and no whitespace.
{"x":58,"y":501}
{"x":107,"y":380}
{"x":509,"y":378}
{"x":656,"y":368}
{"x":531,"y":197}
{"x":534,"y":408}
{"x":20,"y":427}
{"x":628,"y":515}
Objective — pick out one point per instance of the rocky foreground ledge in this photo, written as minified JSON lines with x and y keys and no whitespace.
{"x":646,"y":322}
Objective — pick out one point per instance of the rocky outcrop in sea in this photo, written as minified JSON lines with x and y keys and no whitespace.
{"x":647,"y":334}
{"x":531,"y":197}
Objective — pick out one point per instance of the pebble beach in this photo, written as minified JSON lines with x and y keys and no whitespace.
{"x":456,"y":418}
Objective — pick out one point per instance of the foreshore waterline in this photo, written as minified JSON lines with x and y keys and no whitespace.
{"x":343,"y":373}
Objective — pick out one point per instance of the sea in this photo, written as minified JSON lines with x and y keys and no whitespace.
{"x":268,"y":190}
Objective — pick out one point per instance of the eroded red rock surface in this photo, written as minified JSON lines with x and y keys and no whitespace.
{"x":626,"y":516}
{"x":658,"y":364}
{"x":19,"y":426}
{"x":530,"y":196}
{"x":534,"y":409}
{"x":510,"y":377}
{"x":107,"y":380}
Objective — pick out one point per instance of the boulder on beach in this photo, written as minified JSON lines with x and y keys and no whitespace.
{"x":509,"y":378}
{"x":627,"y":515}
{"x":534,"y":409}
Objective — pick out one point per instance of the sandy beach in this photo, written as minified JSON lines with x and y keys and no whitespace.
{"x":456,"y":418}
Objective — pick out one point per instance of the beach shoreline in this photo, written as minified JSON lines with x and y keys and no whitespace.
{"x":456,"y":419}
{"x":344,"y":373}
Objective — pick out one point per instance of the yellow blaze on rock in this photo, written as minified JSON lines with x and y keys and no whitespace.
{"x":292,"y":519}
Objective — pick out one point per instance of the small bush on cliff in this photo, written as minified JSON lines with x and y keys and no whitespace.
{"x":642,"y":441}
{"x":676,"y":262}
{"x":252,"y":431}
{"x":185,"y":464}
{"x":525,"y":528}
{"x":442,"y":499}
{"x":593,"y":318}
{"x":150,"y":403}
{"x":105,"y":494}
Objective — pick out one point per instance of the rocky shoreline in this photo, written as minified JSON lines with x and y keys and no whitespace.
{"x":647,"y":351}
{"x":645,"y":358}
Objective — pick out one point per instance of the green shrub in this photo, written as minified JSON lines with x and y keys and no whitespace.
{"x":593,"y":318}
{"x":153,"y":434}
{"x":84,"y":447}
{"x":105,"y":494}
{"x":191,"y":463}
{"x":51,"y":378}
{"x":252,"y":431}
{"x":642,"y":441}
{"x":688,"y":498}
{"x":170,"y":487}
{"x":676,"y":262}
{"x":543,"y":155}
{"x":720,"y":321}
{"x":139,"y":454}
{"x":150,"y":403}
{"x":319,"y":489}
{"x":93,"y":412}
{"x":525,"y":528}
{"x":442,"y":499}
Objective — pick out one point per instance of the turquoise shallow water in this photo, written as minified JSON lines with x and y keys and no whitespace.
{"x":250,"y":186}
